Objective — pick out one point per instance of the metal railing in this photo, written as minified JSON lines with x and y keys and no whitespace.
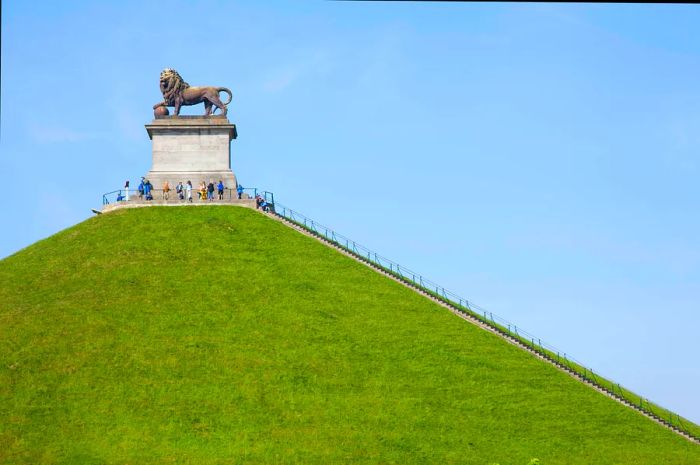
{"x":121,"y":195}
{"x":495,"y":322}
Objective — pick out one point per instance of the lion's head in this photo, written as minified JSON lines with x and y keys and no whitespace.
{"x":171,"y":84}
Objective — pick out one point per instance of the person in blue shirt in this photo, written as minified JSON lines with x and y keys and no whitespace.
{"x":261,"y":203}
{"x":147,"y":190}
{"x":239,"y":189}
{"x":220,"y":188}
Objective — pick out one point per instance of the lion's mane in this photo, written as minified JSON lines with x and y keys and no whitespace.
{"x":174,"y":85}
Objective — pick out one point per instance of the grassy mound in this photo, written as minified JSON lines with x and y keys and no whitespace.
{"x":217,"y":335}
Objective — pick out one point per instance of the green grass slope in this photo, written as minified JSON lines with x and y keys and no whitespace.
{"x":217,"y":335}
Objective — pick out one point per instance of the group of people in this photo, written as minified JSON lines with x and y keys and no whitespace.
{"x":262,"y":204}
{"x":206,"y":191}
{"x":183,"y":191}
{"x":145,"y":189}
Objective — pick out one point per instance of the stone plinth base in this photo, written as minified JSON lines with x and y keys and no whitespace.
{"x":191,"y":148}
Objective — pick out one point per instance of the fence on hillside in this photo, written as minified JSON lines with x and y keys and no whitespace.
{"x":490,"y":319}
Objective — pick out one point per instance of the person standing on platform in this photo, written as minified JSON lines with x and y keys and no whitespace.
{"x":126,"y":190}
{"x":239,"y":189}
{"x":220,"y":188}
{"x":179,"y":190}
{"x":166,"y":190}
{"x":210,"y":191}
{"x":189,"y":191}
{"x":147,"y":187}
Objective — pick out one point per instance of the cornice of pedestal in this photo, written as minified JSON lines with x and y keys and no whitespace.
{"x":162,"y":123}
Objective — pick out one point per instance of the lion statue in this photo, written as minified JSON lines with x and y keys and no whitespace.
{"x":176,"y":92}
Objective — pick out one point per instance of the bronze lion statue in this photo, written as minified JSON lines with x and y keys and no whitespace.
{"x":176,"y":93}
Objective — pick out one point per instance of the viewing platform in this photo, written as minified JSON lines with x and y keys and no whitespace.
{"x":118,"y":199}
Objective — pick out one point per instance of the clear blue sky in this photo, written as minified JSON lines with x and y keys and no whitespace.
{"x":541,"y":160}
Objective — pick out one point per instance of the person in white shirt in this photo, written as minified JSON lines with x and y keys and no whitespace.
{"x":189,"y":191}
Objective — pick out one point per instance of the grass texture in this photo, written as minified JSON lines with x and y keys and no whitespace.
{"x":215,"y":335}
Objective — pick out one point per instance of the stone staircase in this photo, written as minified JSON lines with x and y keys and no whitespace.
{"x":492,"y":328}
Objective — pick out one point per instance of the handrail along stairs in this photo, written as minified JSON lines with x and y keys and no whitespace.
{"x":495,"y":322}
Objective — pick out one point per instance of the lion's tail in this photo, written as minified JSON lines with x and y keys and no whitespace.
{"x":228,"y":91}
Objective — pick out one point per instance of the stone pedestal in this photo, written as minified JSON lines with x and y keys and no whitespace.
{"x":191,"y":148}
